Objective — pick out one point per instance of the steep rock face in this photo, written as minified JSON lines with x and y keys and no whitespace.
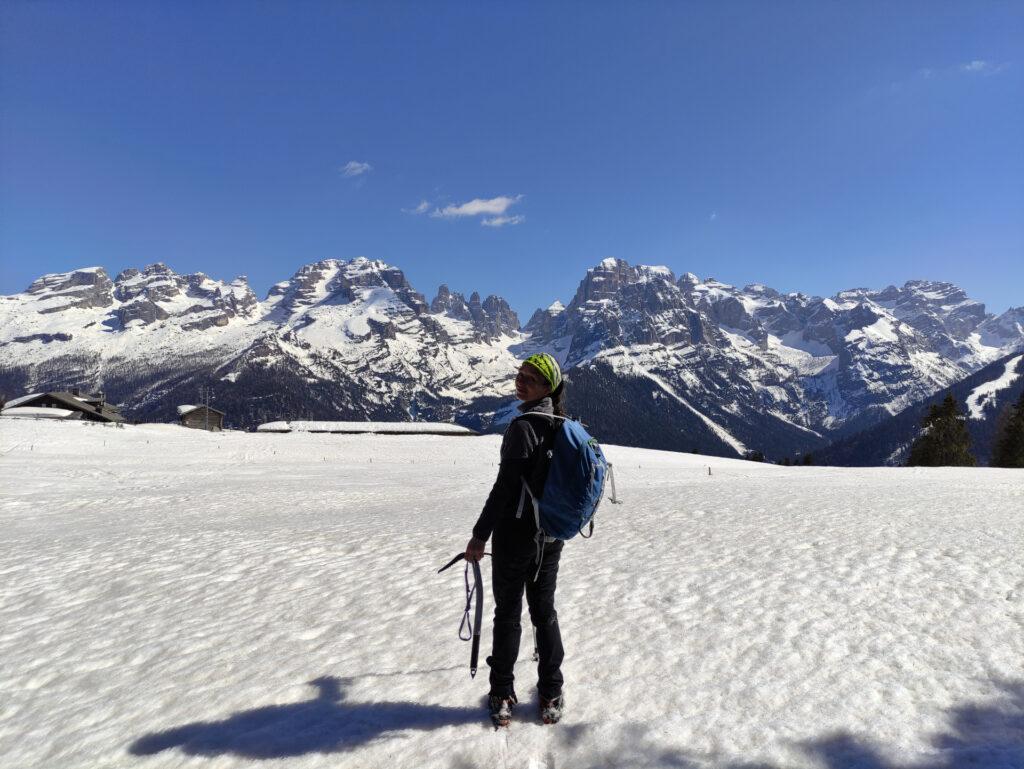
{"x":81,"y":289}
{"x":1003,"y":331}
{"x":620,"y":305}
{"x":496,"y":317}
{"x":453,"y":304}
{"x":337,"y":281}
{"x":544,"y":324}
{"x":197,"y":302}
{"x":491,"y":318}
{"x":940,"y":312}
{"x":141,"y":309}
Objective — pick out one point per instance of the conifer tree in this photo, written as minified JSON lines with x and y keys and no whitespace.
{"x":1009,"y":446}
{"x":945,"y":441}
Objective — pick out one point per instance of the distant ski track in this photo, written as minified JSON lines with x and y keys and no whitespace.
{"x":983,"y":393}
{"x":171,"y":597}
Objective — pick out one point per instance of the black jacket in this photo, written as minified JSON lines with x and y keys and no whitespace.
{"x":521,"y":451}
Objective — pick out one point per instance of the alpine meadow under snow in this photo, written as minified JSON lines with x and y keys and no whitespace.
{"x":172,"y":597}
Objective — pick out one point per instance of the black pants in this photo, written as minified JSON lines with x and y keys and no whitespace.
{"x":513,"y":565}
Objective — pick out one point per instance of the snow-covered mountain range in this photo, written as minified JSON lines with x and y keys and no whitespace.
{"x":654,"y":360}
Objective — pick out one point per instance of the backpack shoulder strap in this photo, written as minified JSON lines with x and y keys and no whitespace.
{"x":539,"y":463}
{"x":552,"y":420}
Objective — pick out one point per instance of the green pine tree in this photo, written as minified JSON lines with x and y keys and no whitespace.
{"x":808,"y":459}
{"x":1009,"y":446}
{"x":945,"y":441}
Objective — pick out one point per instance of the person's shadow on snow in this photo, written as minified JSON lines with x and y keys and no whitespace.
{"x":327,"y":724}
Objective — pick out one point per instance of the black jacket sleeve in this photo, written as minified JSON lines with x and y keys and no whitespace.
{"x":517,"y":450}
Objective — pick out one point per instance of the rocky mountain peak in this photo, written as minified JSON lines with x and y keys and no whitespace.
{"x":491,"y":318}
{"x":340,"y":282}
{"x":543,"y":323}
{"x":448,"y":303}
{"x":85,"y":288}
{"x":761,"y":290}
{"x":1005,"y":330}
{"x":157,"y":293}
{"x":618,"y":304}
{"x":604,"y":281}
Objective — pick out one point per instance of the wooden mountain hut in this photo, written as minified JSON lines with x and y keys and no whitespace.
{"x":92,"y":406}
{"x":201,"y":418}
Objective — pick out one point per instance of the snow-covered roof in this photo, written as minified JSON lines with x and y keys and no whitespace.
{"x":39,"y":412}
{"x":22,"y":399}
{"x":393,"y":428}
{"x":182,"y":410}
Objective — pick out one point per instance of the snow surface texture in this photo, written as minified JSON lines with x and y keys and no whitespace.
{"x":176,"y":598}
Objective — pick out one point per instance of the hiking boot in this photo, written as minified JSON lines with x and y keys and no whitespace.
{"x":501,"y":709}
{"x":551,"y":710}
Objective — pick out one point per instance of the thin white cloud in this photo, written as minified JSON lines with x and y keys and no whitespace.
{"x":714,"y":215}
{"x":478,"y":206}
{"x":356,"y":168}
{"x":502,"y":221}
{"x":946,"y":74}
{"x":982,"y":67}
{"x":422,"y":208}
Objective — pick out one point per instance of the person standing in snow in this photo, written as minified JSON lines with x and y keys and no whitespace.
{"x":517,"y":556}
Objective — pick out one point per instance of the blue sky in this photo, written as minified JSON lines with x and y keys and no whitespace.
{"x":506,"y":147}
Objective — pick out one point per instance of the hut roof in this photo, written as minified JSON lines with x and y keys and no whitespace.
{"x":91,"y":404}
{"x":23,"y":399}
{"x":40,"y":412}
{"x":183,"y":410}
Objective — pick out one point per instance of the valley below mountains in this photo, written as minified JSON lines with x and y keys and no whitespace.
{"x":653,"y":360}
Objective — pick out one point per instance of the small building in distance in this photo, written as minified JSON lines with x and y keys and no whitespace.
{"x":92,"y":407}
{"x":357,"y":428}
{"x":201,"y":418}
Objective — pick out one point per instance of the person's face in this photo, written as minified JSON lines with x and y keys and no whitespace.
{"x":530,"y":385}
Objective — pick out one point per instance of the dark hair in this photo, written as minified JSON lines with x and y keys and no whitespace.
{"x":556,"y":399}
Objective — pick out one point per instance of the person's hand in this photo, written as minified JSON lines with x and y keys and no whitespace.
{"x":475,"y":549}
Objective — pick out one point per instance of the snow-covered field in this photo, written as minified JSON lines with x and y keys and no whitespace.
{"x":175,"y":598}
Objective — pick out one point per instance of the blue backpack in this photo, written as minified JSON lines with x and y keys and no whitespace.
{"x":576,"y":472}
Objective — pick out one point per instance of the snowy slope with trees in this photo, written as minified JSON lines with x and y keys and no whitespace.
{"x":178,"y":598}
{"x":987,"y":394}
